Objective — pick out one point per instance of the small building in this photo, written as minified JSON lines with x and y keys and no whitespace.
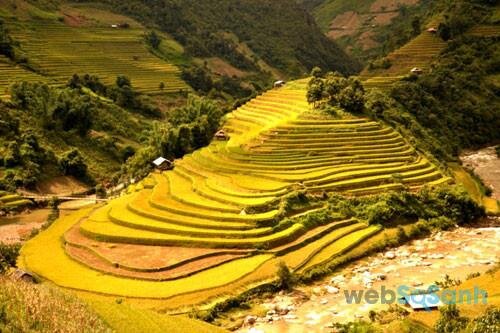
{"x":162,"y":163}
{"x":114,"y":26}
{"x":21,"y":275}
{"x":432,"y":30}
{"x":221,"y":135}
{"x":422,"y":302}
{"x":279,"y":84}
{"x":417,"y":70}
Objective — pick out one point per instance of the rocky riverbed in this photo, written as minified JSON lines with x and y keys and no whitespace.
{"x":486,"y":164}
{"x":420,"y":263}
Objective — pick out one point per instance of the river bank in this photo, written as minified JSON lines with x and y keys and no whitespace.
{"x":420,"y":263}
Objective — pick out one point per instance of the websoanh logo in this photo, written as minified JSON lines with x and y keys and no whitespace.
{"x":421,"y":298}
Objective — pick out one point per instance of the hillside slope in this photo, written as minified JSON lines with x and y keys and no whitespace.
{"x":26,"y":305}
{"x":83,"y":40}
{"x":285,"y":36}
{"x":365,"y":28}
{"x":229,"y":213}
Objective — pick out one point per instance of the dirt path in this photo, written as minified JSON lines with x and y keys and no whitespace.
{"x":420,"y":264}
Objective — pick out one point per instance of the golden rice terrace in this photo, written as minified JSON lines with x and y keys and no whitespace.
{"x":215,"y":223}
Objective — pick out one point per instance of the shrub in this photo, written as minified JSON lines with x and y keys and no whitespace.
{"x":5,"y":42}
{"x":8,"y":256}
{"x":286,"y":279}
{"x":347,"y":93}
{"x":355,"y":327}
{"x":153,"y":39}
{"x":72,"y":163}
{"x":489,"y":322}
{"x":127,"y":152}
{"x":450,"y":320}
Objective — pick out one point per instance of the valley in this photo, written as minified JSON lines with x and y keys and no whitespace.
{"x":215,"y":166}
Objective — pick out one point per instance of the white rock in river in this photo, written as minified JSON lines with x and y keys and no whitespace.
{"x":390,"y":255}
{"x":332,"y":290}
{"x":338,"y":279}
{"x":290,"y":316}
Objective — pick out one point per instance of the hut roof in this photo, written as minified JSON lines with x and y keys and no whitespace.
{"x":20,"y":274}
{"x":160,"y":160}
{"x":220,"y":133}
{"x":422,"y":301}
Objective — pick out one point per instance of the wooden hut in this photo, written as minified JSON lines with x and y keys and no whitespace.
{"x":21,"y":275}
{"x":279,"y":84}
{"x":221,"y":135}
{"x":163,"y":164}
{"x":417,"y":70}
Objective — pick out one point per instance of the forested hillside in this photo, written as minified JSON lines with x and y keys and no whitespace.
{"x":370,"y":28}
{"x":284,"y":36}
{"x":451,"y":102}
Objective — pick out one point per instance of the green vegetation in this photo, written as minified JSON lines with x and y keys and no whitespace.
{"x":230,"y":196}
{"x":285,"y":36}
{"x":450,"y":320}
{"x":8,"y":256}
{"x":287,"y":192}
{"x":345,"y":93}
{"x":432,"y":104}
{"x":6,"y":42}
{"x":187,"y":128}
{"x":452,"y":203}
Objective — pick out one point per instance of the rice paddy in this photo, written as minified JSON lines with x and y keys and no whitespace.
{"x":212,"y":224}
{"x":57,"y":48}
{"x":420,"y":52}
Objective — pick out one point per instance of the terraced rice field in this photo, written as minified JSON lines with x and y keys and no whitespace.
{"x":56,"y":50}
{"x":12,"y":201}
{"x":419,"y":52}
{"x":212,"y":225}
{"x":486,"y":31}
{"x":11,"y":73}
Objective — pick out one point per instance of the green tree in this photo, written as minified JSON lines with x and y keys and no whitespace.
{"x":122,"y":81}
{"x":316,"y":72}
{"x":286,"y":278}
{"x":415,"y":25}
{"x":315,"y":91}
{"x":183,"y":145}
{"x":450,"y":320}
{"x":5,"y":42}
{"x":37,"y":98}
{"x":352,"y":97}
{"x":8,"y":256}
{"x":72,"y":163}
{"x":13,"y":155}
{"x":444,"y":31}
{"x":153,"y":39}
{"x":334,"y":84}
{"x":74,"y":111}
{"x":489,"y":322}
